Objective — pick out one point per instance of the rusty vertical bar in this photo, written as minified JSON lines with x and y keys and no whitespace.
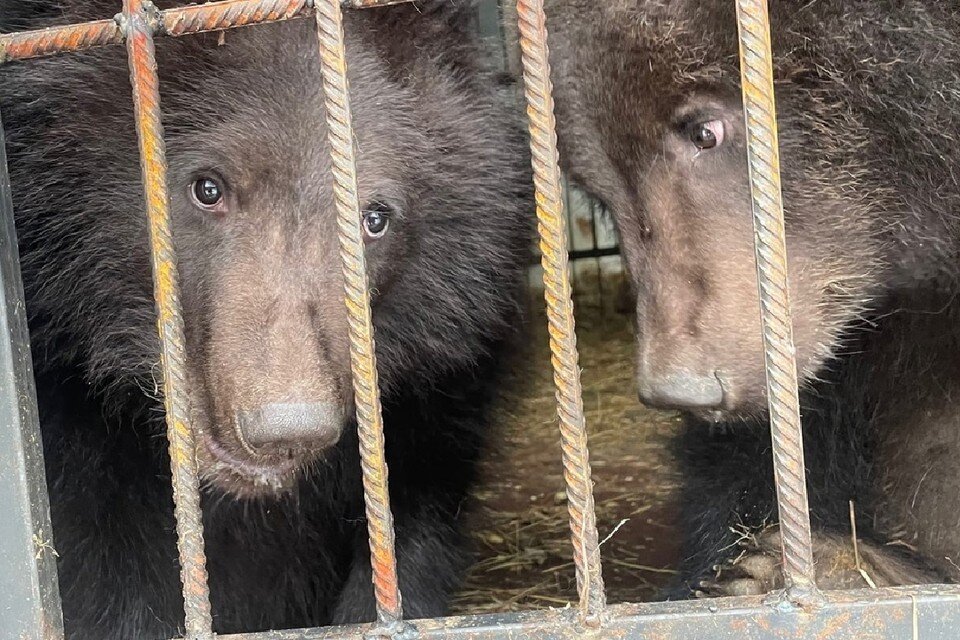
{"x":357,"y":297}
{"x":756,"y":70}
{"x":556,"y":279}
{"x":139,"y":20}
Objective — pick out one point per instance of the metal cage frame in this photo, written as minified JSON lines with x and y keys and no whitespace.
{"x":29,"y":597}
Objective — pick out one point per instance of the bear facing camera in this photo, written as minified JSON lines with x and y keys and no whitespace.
{"x":445,"y":190}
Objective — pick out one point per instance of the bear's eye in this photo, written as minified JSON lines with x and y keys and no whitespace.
{"x":706,"y":135}
{"x":376,"y":219}
{"x":208,"y":193}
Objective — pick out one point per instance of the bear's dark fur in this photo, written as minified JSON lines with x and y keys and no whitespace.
{"x":650,"y":121}
{"x":439,"y":151}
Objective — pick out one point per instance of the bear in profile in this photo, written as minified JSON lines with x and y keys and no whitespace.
{"x":444,"y":186}
{"x":650,"y":121}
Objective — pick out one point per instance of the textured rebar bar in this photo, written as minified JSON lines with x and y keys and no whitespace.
{"x":218,"y":16}
{"x":138,"y":16}
{"x":180,"y":21}
{"x":74,"y":37}
{"x":756,"y":70}
{"x":357,"y":296}
{"x":370,"y":4}
{"x":556,"y":279}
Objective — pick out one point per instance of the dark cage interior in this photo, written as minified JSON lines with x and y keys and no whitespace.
{"x":323,"y":460}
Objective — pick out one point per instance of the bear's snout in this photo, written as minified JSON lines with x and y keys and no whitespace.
{"x":288,"y":424}
{"x":317,"y":425}
{"x":273,"y":362}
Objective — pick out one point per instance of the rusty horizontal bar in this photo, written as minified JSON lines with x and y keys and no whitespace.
{"x":217,"y":16}
{"x":74,"y":37}
{"x":180,"y":21}
{"x":903,"y":613}
{"x":370,"y":4}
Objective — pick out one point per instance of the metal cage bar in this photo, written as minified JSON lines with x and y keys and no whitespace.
{"x":211,"y":16}
{"x":29,"y":595}
{"x":759,"y":108}
{"x":931,"y":613}
{"x":557,"y":291}
{"x":138,"y":16}
{"x":363,"y":357}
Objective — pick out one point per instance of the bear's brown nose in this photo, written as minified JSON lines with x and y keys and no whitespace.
{"x":312,"y":424}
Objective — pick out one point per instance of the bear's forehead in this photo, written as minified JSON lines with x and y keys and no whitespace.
{"x":275,"y":66}
{"x":259,"y":97}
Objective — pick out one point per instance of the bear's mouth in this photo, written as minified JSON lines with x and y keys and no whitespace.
{"x":248,"y":467}
{"x":270,"y":474}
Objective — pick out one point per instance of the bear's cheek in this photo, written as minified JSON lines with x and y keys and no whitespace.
{"x":826,"y":296}
{"x":719,"y":330}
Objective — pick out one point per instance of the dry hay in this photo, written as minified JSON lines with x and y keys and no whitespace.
{"x":519,"y":523}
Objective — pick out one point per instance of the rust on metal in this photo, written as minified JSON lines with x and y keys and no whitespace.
{"x":756,"y":70}
{"x":44,"y":42}
{"x":930,"y":613}
{"x":218,"y":16}
{"x":371,"y":4}
{"x":556,"y":279}
{"x":357,"y":296}
{"x":183,"y":463}
{"x":180,"y":21}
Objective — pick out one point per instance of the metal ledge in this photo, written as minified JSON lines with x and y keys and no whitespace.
{"x":903,"y":613}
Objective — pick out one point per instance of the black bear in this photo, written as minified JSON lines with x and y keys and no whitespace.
{"x":650,"y":121}
{"x":443,"y":178}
